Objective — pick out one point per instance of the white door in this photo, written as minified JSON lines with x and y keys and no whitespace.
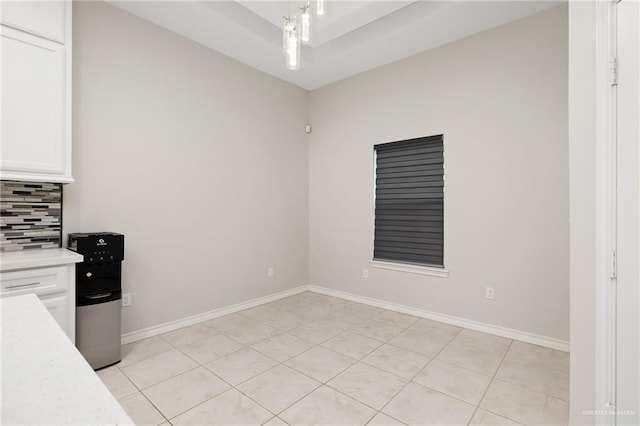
{"x":628,"y":213}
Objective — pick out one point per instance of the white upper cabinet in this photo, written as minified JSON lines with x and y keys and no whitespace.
{"x":33,"y":104}
{"x":35,"y":120}
{"x":42,"y":18}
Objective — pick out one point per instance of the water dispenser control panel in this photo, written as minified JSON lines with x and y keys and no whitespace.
{"x":103,"y":247}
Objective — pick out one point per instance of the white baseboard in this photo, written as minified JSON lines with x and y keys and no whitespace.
{"x":195,"y":319}
{"x":510,"y":333}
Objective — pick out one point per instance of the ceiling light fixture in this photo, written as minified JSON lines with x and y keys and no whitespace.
{"x":294,"y":34}
{"x":291,"y":42}
{"x":305,"y":21}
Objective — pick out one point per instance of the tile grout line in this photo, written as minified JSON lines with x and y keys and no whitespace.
{"x":141,"y":393}
{"x":282,"y":363}
{"x":231,"y":387}
{"x":495,"y":373}
{"x":207,"y":370}
{"x":494,"y":379}
{"x":414,"y":376}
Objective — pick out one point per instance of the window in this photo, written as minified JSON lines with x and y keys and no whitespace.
{"x":409,"y":207}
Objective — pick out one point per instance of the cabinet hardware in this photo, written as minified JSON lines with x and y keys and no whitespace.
{"x":20,"y":285}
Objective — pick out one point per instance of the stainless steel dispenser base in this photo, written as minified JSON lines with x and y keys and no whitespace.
{"x":98,"y":333}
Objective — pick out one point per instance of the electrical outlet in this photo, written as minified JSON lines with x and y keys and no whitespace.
{"x":490,"y":293}
{"x":271,"y":272}
{"x":365,"y":273}
{"x":126,"y":299}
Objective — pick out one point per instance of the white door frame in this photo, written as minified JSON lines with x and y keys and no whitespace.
{"x":605,"y":356}
{"x":628,"y":217}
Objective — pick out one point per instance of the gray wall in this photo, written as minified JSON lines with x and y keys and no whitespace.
{"x":500,"y":99}
{"x":204,"y":164}
{"x":199,"y":160}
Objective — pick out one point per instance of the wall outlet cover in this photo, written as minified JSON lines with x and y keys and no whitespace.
{"x":490,"y":293}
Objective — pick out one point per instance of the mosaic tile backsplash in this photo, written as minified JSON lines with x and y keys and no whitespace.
{"x":30,"y":215}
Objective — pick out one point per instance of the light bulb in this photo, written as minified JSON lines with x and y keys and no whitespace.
{"x":319,"y":7}
{"x":305,"y":20}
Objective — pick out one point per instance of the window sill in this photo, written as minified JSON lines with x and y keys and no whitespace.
{"x":413,"y":269}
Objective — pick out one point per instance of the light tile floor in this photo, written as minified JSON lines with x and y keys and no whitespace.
{"x":312,"y":359}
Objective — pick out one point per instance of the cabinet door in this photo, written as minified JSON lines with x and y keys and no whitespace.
{"x":33,"y":106}
{"x":57,"y":307}
{"x":42,"y":18}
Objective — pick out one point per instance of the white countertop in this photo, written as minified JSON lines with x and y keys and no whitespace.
{"x":45,"y":380}
{"x":37,"y":258}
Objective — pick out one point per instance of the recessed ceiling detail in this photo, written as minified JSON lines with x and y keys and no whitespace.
{"x":341,"y":18}
{"x":353,"y":36}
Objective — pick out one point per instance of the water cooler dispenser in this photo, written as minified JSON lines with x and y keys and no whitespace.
{"x":98,"y":296}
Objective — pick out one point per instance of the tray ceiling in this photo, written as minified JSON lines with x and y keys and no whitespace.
{"x":353,"y":37}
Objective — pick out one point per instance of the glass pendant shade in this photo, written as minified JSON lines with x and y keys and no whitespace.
{"x":296,"y":30}
{"x":305,"y":24}
{"x":288,"y":26}
{"x":293,"y":50}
